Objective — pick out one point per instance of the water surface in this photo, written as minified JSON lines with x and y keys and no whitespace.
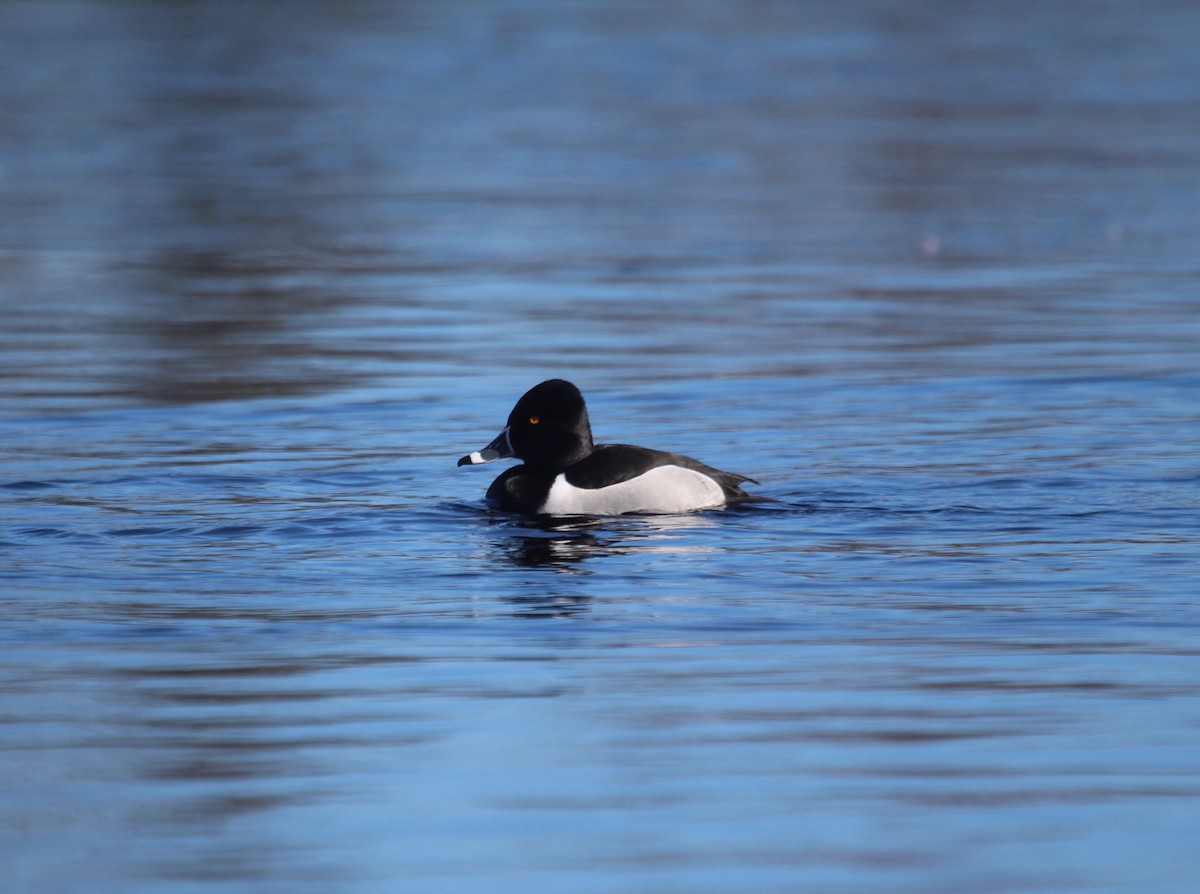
{"x":267,"y":270}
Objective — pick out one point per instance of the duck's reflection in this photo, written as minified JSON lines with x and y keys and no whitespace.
{"x":568,"y":546}
{"x":560,"y":551}
{"x":563,"y":544}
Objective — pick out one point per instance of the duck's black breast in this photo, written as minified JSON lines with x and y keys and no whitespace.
{"x":520,"y":489}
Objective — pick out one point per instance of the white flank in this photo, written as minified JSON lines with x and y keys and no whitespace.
{"x":666,"y":489}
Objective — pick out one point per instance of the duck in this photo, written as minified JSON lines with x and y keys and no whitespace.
{"x":564,"y":473}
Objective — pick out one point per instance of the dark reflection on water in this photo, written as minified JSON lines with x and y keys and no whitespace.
{"x":927,"y":271}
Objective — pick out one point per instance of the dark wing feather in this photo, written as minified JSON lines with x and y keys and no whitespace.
{"x":614,"y":463}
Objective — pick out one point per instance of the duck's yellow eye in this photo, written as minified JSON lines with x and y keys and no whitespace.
{"x":533,"y":420}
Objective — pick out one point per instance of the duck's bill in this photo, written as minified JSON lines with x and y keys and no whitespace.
{"x":500,"y":448}
{"x":479,"y":457}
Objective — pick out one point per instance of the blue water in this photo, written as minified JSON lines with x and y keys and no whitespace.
{"x":927,"y":271}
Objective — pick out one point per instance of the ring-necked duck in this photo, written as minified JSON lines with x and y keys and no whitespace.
{"x":564,"y":473}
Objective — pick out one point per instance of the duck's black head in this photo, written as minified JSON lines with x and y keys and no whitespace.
{"x":549,"y":426}
{"x":548,"y":429}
